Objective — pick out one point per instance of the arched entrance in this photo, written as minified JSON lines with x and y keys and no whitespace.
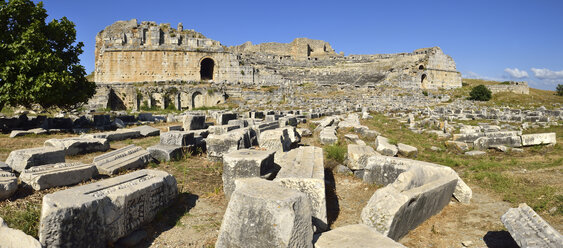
{"x":422,"y":79}
{"x":206,"y":69}
{"x":197,"y":100}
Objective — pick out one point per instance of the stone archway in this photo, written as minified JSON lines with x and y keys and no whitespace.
{"x":197,"y":100}
{"x":207,"y":66}
{"x":422,"y":79}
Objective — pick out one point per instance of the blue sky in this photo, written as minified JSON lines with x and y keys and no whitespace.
{"x":500,"y":40}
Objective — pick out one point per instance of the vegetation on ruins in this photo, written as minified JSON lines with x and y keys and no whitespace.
{"x":559,"y":90}
{"x":480,"y":93}
{"x":38,"y":61}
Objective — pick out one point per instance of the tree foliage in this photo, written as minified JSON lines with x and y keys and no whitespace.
{"x":559,"y":90}
{"x":480,"y":93}
{"x":38,"y":61}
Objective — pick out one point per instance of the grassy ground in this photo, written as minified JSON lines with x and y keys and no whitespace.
{"x":532,"y":177}
{"x":535,"y":99}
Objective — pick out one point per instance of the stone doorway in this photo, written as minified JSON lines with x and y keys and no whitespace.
{"x":206,"y":69}
{"x":422,"y":79}
{"x":197,"y":100}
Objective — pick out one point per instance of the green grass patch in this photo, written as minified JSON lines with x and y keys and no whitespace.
{"x":24,"y":217}
{"x":336,"y":152}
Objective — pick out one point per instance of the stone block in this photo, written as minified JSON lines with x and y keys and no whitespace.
{"x":218,"y":145}
{"x":358,"y":235}
{"x":383,"y":146}
{"x":177,"y":138}
{"x":415,"y":196}
{"x":407,"y":151}
{"x":328,"y":136}
{"x":99,"y":213}
{"x":263,"y":213}
{"x":147,"y":131}
{"x":528,"y":229}
{"x":475,"y":153}
{"x":74,"y":146}
{"x":385,"y":170}
{"x":20,"y":160}
{"x":275,"y":140}
{"x":126,"y":158}
{"x":13,"y":238}
{"x":8,"y":184}
{"x":222,"y":129}
{"x":304,"y":132}
{"x":224,"y":118}
{"x":468,"y":137}
{"x":538,"y":139}
{"x":193,"y":122}
{"x":20,"y":133}
{"x":303,"y":169}
{"x":119,"y":134}
{"x":145,"y":117}
{"x":458,"y":145}
{"x":246,"y":163}
{"x":358,"y":156}
{"x":56,"y":175}
{"x":162,"y":152}
{"x":175,"y":128}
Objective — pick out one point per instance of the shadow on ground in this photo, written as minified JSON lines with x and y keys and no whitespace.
{"x":332,"y":206}
{"x":499,"y":239}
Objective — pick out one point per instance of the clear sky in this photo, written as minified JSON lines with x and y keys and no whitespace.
{"x":501,"y":40}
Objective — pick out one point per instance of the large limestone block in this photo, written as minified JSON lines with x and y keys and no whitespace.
{"x":383,"y":146}
{"x":245,"y":163}
{"x":358,"y":156}
{"x":275,"y":140}
{"x":74,"y":146}
{"x":193,"y":122}
{"x":468,"y":137}
{"x":351,"y":236}
{"x":147,"y":131}
{"x":177,"y":138}
{"x":398,"y":208}
{"x":218,"y":145}
{"x":56,"y":175}
{"x":224,"y":118}
{"x":328,"y":136}
{"x":96,"y":214}
{"x":8,"y":184}
{"x":303,"y":169}
{"x":538,"y":139}
{"x":13,"y":238}
{"x":406,"y":150}
{"x":20,"y":160}
{"x":163,"y":152}
{"x":385,"y":170}
{"x":119,"y":134}
{"x":529,"y":229}
{"x":265,"y":214}
{"x":222,"y":129}
{"x":126,"y":158}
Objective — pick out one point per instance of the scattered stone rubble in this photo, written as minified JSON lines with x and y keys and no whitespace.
{"x":529,"y":229}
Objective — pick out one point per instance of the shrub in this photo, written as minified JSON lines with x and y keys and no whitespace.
{"x":336,"y":152}
{"x":559,"y":90}
{"x":480,"y":93}
{"x":425,"y":93}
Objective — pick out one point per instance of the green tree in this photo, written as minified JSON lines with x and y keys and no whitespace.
{"x":38,"y":61}
{"x":559,"y":90}
{"x":480,"y":93}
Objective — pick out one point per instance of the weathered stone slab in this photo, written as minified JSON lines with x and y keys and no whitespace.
{"x":20,"y":133}
{"x":119,"y":134}
{"x":467,"y":137}
{"x":8,"y":184}
{"x":503,"y":134}
{"x":20,"y":160}
{"x":358,"y":156}
{"x":177,"y":138}
{"x":529,"y":229}
{"x":126,"y":158}
{"x":383,"y":146}
{"x":262,"y":213}
{"x":56,"y":175}
{"x":193,"y":122}
{"x":218,"y":145}
{"x":175,"y":128}
{"x":303,"y":169}
{"x":328,"y":136}
{"x":222,"y":129}
{"x":162,"y":152}
{"x":275,"y":140}
{"x":246,"y":163}
{"x":147,"y":131}
{"x":458,"y":145}
{"x":415,"y":196}
{"x":407,"y":151}
{"x":475,"y":153}
{"x":538,"y":139}
{"x":224,"y":118}
{"x":96,"y":214}
{"x":385,"y":170}
{"x":74,"y":146}
{"x":13,"y":238}
{"x":358,"y":235}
